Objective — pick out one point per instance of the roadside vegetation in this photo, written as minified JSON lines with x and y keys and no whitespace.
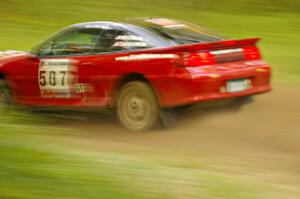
{"x":38,"y":160}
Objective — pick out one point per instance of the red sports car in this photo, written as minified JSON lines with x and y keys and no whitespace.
{"x":136,"y":69}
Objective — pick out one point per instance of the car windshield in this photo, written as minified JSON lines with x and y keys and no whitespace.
{"x":179,"y":32}
{"x":48,"y":42}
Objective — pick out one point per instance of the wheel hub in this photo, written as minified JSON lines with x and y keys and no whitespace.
{"x":136,"y":107}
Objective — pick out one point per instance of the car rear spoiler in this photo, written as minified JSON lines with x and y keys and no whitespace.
{"x":217,"y":45}
{"x":220,"y":44}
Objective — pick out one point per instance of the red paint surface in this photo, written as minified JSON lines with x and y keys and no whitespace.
{"x":174,"y":83}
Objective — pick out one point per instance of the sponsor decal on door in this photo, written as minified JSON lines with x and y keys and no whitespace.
{"x":57,"y":78}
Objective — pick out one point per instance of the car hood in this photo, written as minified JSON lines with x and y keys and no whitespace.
{"x":11,"y":55}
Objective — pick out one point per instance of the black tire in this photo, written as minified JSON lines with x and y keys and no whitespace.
{"x":137,"y":106}
{"x":5,"y":99}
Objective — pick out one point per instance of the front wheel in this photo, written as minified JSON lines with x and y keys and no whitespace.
{"x":137,"y":106}
{"x":5,"y":99}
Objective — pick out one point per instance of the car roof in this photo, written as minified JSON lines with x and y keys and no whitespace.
{"x":101,"y":24}
{"x":139,"y":30}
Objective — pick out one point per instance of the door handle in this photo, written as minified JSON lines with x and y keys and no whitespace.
{"x":88,"y":64}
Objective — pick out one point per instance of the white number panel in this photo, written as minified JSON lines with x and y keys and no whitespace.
{"x":57,"y":78}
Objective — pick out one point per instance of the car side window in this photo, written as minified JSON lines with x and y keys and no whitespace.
{"x":75,"y":42}
{"x":105,"y":41}
{"x":81,"y":41}
{"x":125,"y":40}
{"x":113,"y":40}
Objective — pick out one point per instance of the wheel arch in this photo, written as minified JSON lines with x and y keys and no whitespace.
{"x":7,"y":84}
{"x":2,"y":76}
{"x":129,"y":77}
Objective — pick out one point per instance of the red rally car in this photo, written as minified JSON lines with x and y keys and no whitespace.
{"x":135,"y":68}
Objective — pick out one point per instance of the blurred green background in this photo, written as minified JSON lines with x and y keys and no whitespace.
{"x":24,"y":23}
{"x":36,"y":163}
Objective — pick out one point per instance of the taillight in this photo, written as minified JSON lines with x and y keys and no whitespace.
{"x":251,"y":53}
{"x":199,"y":59}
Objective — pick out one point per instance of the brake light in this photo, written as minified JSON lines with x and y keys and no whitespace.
{"x":251,"y":53}
{"x":199,"y":59}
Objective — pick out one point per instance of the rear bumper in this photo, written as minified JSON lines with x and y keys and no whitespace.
{"x":217,"y":95}
{"x":199,"y":87}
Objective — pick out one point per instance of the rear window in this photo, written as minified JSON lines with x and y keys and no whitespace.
{"x":180,"y":32}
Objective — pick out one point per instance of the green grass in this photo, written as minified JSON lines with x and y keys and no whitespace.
{"x":42,"y":160}
{"x":31,"y":170}
{"x":35,"y":164}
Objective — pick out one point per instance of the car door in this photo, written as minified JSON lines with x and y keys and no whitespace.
{"x":61,"y":58}
{"x":93,"y":81}
{"x":100,"y":72}
{"x":79,"y":67}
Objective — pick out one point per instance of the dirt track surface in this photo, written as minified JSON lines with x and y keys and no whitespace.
{"x":264,"y":134}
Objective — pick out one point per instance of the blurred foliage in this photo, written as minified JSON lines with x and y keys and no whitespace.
{"x":24,"y":23}
{"x":35,"y":164}
{"x":31,"y":166}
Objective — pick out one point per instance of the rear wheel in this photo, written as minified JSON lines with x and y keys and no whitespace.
{"x":137,"y":107}
{"x":5,"y":99}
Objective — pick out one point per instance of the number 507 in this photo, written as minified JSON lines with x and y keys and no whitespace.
{"x":52,"y":78}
